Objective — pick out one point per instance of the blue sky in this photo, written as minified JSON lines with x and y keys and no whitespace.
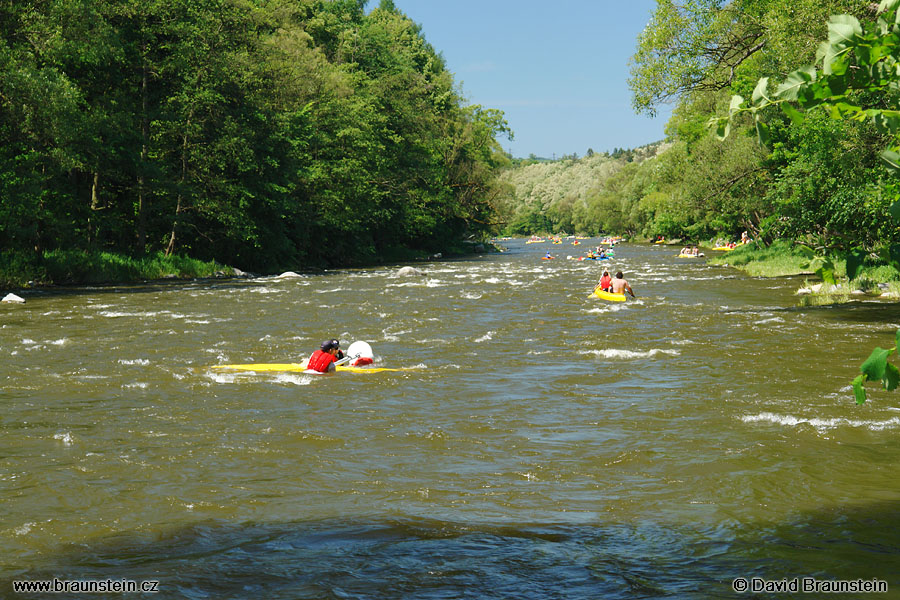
{"x":558,"y":70}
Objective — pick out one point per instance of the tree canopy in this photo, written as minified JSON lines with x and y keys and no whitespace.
{"x":260,"y":134}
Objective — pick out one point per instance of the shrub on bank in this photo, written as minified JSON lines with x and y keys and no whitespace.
{"x":783,"y":258}
{"x":18,"y":270}
{"x":779,"y":259}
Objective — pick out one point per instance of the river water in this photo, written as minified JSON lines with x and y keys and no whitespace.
{"x":538,"y":444}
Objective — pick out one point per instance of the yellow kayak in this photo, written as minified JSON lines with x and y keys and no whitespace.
{"x":609,"y":296}
{"x":298,"y":367}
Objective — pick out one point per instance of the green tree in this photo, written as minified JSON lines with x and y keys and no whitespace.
{"x":858,"y":80}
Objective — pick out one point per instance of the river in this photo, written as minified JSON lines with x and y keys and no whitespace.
{"x":539,"y":443}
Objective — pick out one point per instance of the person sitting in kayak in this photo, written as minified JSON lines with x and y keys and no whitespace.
{"x":605,"y":281}
{"x":323,"y":360}
{"x":619,"y":285}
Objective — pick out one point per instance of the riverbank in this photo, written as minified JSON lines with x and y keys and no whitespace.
{"x":68,"y":267}
{"x":783,"y":259}
{"x":75,"y":267}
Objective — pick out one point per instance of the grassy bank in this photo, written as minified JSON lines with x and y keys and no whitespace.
{"x":64,"y":267}
{"x":60,"y":267}
{"x":784,"y":258}
{"x":778,"y":260}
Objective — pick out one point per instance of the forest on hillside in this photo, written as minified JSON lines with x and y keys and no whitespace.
{"x":265,"y":134}
{"x":584,"y":195}
{"x":819,"y":177}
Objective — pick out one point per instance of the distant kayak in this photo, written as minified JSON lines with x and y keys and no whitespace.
{"x":691,"y":255}
{"x":609,"y":296}
{"x":547,"y":257}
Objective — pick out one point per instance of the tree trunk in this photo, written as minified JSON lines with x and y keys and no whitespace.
{"x":170,"y":249}
{"x":143,"y":201}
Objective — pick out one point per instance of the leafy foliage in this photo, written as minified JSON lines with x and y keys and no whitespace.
{"x":269,"y":135}
{"x":859,"y":80}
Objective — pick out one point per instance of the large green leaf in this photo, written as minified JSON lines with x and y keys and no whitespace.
{"x":827,"y":275}
{"x":887,"y":5}
{"x":793,"y":114}
{"x":892,"y":255}
{"x":759,"y":92}
{"x":843,"y":29}
{"x":891,"y":377}
{"x":762,"y":131}
{"x":723,"y":128}
{"x":855,"y":261}
{"x":735,"y":106}
{"x":876,"y":364}
{"x":886,"y":121}
{"x":895,"y":212}
{"x":788,"y":89}
{"x":892,"y":158}
{"x":858,"y":390}
{"x":806,"y":251}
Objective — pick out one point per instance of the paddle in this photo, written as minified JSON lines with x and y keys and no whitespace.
{"x":346,"y":359}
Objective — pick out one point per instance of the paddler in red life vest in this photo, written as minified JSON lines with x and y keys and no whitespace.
{"x":323,"y":360}
{"x":605,"y":282}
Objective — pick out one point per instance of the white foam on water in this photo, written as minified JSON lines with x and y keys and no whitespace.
{"x":294,"y":378}
{"x":822,"y":424}
{"x":65,"y":437}
{"x":610,"y":307}
{"x":222,"y":377}
{"x":140,"y":385}
{"x":630,"y":354}
{"x":487,"y":336}
{"x":769,"y":320}
{"x":60,"y":342}
{"x":434,"y":341}
{"x":136,"y":361}
{"x":24,"y":529}
{"x":146,"y":314}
